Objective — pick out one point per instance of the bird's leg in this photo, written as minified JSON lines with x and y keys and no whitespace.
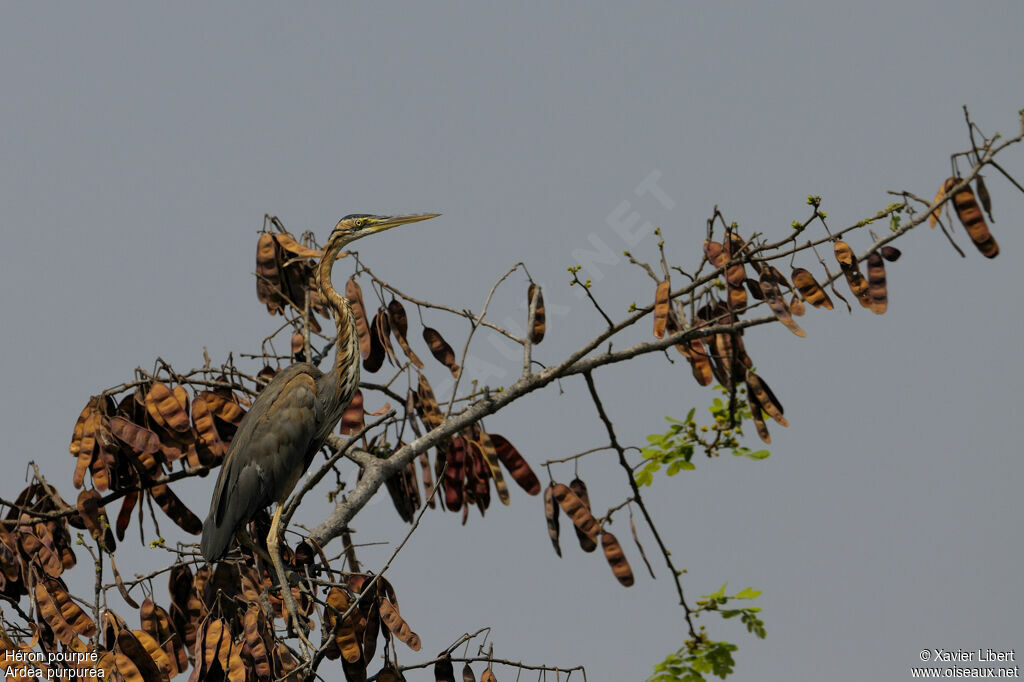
{"x":291,"y":610}
{"x":245,"y":540}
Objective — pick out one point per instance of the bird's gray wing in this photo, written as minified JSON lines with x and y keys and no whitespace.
{"x":266,"y":457}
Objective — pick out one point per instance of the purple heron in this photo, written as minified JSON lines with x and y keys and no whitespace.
{"x":291,"y":417}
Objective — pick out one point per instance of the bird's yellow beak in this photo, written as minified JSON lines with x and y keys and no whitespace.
{"x":382,"y":223}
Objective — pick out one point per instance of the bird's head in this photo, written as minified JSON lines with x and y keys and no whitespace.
{"x":359,"y":225}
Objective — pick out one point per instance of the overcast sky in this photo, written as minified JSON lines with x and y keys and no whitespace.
{"x":141,"y":147}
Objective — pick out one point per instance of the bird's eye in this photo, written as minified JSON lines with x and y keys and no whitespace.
{"x":360,"y":222}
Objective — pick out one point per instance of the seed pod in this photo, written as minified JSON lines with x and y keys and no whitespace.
{"x":587,"y":544}
{"x":661,"y":308}
{"x":715,"y":253}
{"x":891,"y":253}
{"x":694,"y":352}
{"x":983,"y":196}
{"x":758,"y":388}
{"x":444,"y":671}
{"x":539,"y":324}
{"x":551,"y":515}
{"x":426,"y":404}
{"x":876,"y":283}
{"x":616,"y":559}
{"x":970,"y":217}
{"x":848,"y":262}
{"x":355,"y":299}
{"x":352,"y":419}
{"x":168,"y":407}
{"x":735,"y":274}
{"x":758,"y":415}
{"x":778,"y":304}
{"x":268,"y":276}
{"x":490,"y":457}
{"x":95,"y":518}
{"x":375,"y":360}
{"x":397,"y":625}
{"x":296,"y":250}
{"x":440,"y":349}
{"x":517,"y":466}
{"x":400,"y":328}
{"x":810,"y":289}
{"x":575,"y":509}
{"x":796,"y":306}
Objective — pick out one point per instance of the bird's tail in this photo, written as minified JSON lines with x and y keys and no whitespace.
{"x":216,"y":539}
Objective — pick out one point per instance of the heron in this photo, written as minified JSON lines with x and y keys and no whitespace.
{"x":291,"y":418}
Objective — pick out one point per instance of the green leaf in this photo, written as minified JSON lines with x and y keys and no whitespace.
{"x":716,"y":595}
{"x":748,"y":593}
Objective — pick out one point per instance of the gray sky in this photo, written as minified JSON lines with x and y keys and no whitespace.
{"x":141,"y":148}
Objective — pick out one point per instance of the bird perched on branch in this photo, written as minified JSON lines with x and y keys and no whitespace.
{"x":291,"y":417}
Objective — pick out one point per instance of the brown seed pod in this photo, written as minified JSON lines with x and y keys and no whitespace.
{"x":970,"y":217}
{"x":539,"y":317}
{"x":428,"y":479}
{"x":396,"y":624}
{"x":876,"y":283}
{"x":715,"y":253}
{"x":352,"y":419}
{"x":848,"y":263}
{"x":457,"y":459}
{"x":383,"y":323}
{"x":444,"y":671}
{"x":490,"y":457}
{"x":754,"y":287}
{"x":587,"y":543}
{"x":661,"y":309}
{"x":95,"y":518}
{"x":758,"y":388}
{"x":346,"y":634}
{"x":400,"y":328}
{"x":735,"y":274}
{"x":426,"y":404}
{"x":796,"y":306}
{"x":157,"y":623}
{"x":757,"y":411}
{"x":206,"y":428}
{"x":575,"y":509}
{"x":616,"y":559}
{"x":551,"y":516}
{"x":167,"y":407}
{"x":844,"y":254}
{"x":268,"y":277}
{"x":778,"y":304}
{"x":375,"y":360}
{"x":891,"y":253}
{"x":810,"y":289}
{"x":257,"y":642}
{"x":296,"y":250}
{"x":983,"y":196}
{"x":124,"y":517}
{"x":440,"y":349}
{"x":517,"y":466}
{"x":694,"y":352}
{"x":355,"y":299}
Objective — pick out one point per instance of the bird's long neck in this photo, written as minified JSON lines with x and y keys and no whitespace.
{"x":344,"y":376}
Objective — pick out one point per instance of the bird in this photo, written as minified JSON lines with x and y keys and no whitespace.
{"x":292,"y":416}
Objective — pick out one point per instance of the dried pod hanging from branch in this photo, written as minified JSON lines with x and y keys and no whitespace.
{"x":969,"y":213}
{"x":539,"y":317}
